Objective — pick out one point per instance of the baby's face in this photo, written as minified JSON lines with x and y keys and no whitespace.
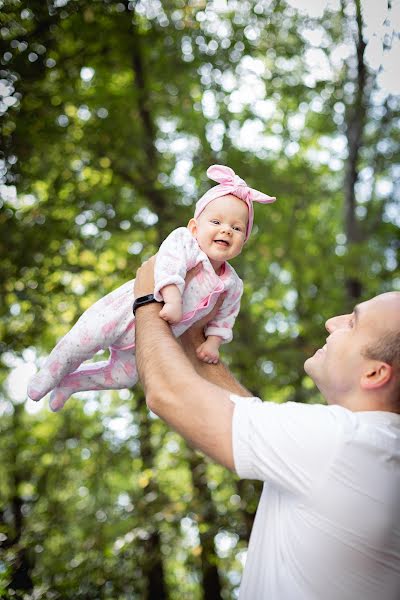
{"x":220,"y":230}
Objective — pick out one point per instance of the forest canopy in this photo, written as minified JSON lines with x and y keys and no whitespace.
{"x":111,"y":114}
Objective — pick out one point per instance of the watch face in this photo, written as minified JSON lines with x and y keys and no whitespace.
{"x":143,"y":300}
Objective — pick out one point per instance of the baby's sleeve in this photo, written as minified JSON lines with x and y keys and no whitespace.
{"x":176,"y":256}
{"x":224,"y":320}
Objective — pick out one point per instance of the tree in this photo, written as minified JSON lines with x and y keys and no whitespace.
{"x":112,"y":111}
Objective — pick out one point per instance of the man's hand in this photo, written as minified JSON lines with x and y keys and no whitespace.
{"x":194,"y":403}
{"x":144,"y":282}
{"x":194,"y":337}
{"x":210,"y":316}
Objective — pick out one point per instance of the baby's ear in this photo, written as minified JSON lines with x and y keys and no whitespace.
{"x":192,"y":226}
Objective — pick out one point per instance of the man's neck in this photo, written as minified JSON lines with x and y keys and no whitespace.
{"x":365,"y":403}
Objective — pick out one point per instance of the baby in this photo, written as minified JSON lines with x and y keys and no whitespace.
{"x":222,"y":223}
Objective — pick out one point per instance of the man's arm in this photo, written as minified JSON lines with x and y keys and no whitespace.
{"x":196,"y":408}
{"x":219,"y":373}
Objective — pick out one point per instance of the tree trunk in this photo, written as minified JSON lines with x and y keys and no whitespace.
{"x":21,"y":580}
{"x":153,"y":569}
{"x":208,"y":527}
{"x":355,"y":120}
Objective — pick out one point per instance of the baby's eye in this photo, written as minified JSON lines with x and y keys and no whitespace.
{"x":237,"y":228}
{"x":215,"y":221}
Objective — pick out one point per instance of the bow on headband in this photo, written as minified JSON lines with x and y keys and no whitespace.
{"x":230,"y":183}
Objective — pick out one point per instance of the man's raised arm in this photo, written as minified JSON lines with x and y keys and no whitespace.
{"x":199,"y":410}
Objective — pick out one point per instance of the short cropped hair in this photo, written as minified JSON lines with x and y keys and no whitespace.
{"x":386,"y":349}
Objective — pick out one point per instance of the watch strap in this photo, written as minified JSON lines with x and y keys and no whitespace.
{"x":143,"y":300}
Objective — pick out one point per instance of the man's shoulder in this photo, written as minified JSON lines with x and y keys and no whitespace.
{"x":329,"y":413}
{"x":301,"y":416}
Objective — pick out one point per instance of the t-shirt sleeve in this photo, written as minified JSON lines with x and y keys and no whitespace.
{"x":289,"y":445}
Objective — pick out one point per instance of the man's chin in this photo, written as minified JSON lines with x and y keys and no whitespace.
{"x":308,"y":366}
{"x":312,"y":372}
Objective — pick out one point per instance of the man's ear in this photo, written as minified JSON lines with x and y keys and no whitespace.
{"x":377,"y":375}
{"x":192,"y":226}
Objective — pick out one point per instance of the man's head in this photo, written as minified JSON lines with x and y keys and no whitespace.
{"x":359,"y":366}
{"x":220,"y":229}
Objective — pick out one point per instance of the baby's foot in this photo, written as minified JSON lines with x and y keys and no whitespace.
{"x":58,"y":398}
{"x":38,"y":387}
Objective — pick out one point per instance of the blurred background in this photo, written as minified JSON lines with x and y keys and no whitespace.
{"x":111,"y":114}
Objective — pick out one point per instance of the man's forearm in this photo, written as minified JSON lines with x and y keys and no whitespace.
{"x":199,"y":410}
{"x":219,"y":373}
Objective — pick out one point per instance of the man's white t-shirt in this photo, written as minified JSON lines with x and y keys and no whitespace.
{"x":328,"y":522}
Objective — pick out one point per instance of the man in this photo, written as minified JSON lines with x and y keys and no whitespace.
{"x":328,"y":521}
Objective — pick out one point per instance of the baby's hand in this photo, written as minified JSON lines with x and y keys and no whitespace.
{"x":171,"y":312}
{"x":208,"y":353}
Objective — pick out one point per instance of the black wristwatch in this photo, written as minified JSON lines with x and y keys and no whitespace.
{"x":143,"y":300}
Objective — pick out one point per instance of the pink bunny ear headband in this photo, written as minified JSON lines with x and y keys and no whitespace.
{"x":230,"y":183}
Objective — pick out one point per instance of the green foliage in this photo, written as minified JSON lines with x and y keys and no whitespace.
{"x":113,"y":112}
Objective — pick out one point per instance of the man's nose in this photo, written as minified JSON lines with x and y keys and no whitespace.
{"x":329,"y":324}
{"x":335,"y":322}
